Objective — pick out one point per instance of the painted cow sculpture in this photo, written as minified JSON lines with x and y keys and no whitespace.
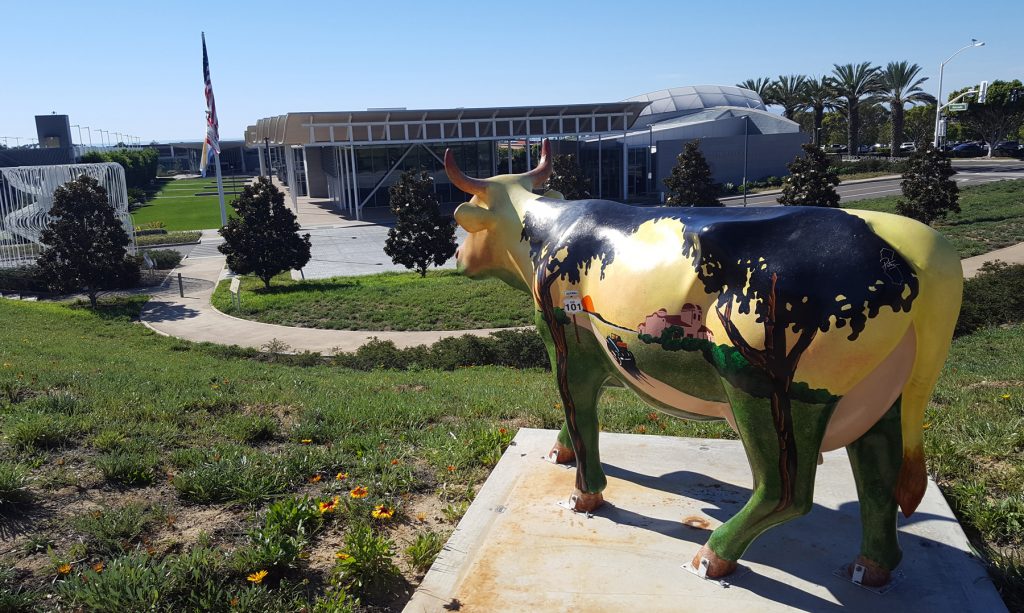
{"x":807,"y":329}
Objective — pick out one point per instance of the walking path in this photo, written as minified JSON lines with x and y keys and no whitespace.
{"x":194,"y":318}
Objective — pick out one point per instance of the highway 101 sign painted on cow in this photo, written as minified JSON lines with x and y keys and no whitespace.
{"x":807,"y":329}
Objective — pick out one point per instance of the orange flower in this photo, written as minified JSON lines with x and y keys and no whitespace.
{"x":341,"y":476}
{"x":421,"y":516}
{"x":328,"y":507}
{"x":451,"y":468}
{"x":257,"y":577}
{"x":98,"y":567}
{"x":341,"y":555}
{"x":234,"y":602}
{"x":359,"y":492}
{"x":315,"y":478}
{"x":394,"y":462}
{"x":382,"y":512}
{"x":502,"y":431}
{"x":64,"y":568}
{"x":306,"y":441}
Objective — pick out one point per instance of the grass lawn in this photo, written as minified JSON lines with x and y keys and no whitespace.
{"x":181,"y":469}
{"x":387,"y":301}
{"x":991,"y":216}
{"x":177,"y":205}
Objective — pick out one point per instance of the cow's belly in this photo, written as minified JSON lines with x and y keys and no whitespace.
{"x":865,"y":403}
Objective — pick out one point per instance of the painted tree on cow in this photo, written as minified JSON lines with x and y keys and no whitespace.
{"x":794,"y":297}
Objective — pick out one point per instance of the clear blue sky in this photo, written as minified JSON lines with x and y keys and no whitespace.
{"x":136,"y":67}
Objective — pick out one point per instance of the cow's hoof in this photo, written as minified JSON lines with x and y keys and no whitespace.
{"x":874,"y":574}
{"x":717,"y":567}
{"x":560,"y":454}
{"x":583,"y":502}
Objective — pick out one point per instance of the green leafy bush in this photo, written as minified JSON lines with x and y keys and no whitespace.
{"x":424,"y":550}
{"x":13,"y":482}
{"x":995,"y":296}
{"x":164,"y":259}
{"x":286,"y":530}
{"x":22,"y":279}
{"x":31,"y":431}
{"x":111,"y":531}
{"x":228,"y":473}
{"x":513,"y":348}
{"x":365,"y":568}
{"x":852,"y":167}
{"x":168,"y":238}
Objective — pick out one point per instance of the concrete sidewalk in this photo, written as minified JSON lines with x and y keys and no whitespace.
{"x":194,"y":318}
{"x":1014,"y":254}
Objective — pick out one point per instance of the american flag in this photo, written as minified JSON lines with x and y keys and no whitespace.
{"x":211,"y":144}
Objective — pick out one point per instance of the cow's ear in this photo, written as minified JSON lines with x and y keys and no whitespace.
{"x":474,"y":218}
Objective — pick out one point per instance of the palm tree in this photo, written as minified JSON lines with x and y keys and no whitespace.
{"x":788,"y":92}
{"x":855,"y":84}
{"x":902,"y":86}
{"x":820,"y":94}
{"x":761,"y":86}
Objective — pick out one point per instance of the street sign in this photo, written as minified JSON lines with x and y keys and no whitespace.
{"x":236,"y":284}
{"x":957,"y":106}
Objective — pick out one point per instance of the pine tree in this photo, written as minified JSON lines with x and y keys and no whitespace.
{"x":811,"y":181}
{"x":690,"y":183}
{"x":264,"y":238}
{"x":568,"y":179}
{"x":85,"y":245}
{"x":421,"y":234}
{"x":930,"y":193}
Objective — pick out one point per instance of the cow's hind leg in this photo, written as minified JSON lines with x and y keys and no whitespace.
{"x":774,"y":499}
{"x":876,"y":458}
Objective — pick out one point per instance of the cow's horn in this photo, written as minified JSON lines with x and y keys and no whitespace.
{"x":476,"y":187}
{"x":542,"y":172}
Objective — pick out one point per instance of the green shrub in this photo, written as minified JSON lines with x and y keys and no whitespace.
{"x":424,"y":550}
{"x":168,"y":238}
{"x":14,"y":595}
{"x":513,"y":348}
{"x":851,"y":167}
{"x":286,"y":530}
{"x":31,"y":431}
{"x":22,"y":279}
{"x":164,"y":259}
{"x":128,"y":466}
{"x":228,"y":473}
{"x":58,"y":402}
{"x":995,"y":296}
{"x":365,"y":567}
{"x":111,"y":531}
{"x":13,"y":482}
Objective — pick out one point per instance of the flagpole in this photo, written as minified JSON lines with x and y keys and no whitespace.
{"x":220,"y":191}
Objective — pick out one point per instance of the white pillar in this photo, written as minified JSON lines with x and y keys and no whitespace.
{"x":600,"y":174}
{"x":625,"y":167}
{"x":241,"y":157}
{"x":356,"y":206}
{"x":289,"y":163}
{"x":305,"y":168}
{"x":527,"y":141}
{"x":263,"y":167}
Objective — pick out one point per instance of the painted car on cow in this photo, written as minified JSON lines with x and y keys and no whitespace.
{"x":807,"y":329}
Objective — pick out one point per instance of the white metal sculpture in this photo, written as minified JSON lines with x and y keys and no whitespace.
{"x":26,"y":197}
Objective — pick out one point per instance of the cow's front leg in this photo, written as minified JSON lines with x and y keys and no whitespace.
{"x":582,"y":427}
{"x":774,"y":499}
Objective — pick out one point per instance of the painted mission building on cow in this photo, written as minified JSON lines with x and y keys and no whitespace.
{"x":689,"y":320}
{"x":347,"y":160}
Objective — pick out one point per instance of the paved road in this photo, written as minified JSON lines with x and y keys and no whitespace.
{"x":969,"y":172}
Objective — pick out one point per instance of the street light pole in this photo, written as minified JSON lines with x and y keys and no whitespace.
{"x":746,"y":131}
{"x":938,"y":98}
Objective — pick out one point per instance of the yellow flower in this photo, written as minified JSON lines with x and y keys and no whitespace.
{"x":64,"y":568}
{"x":341,"y":476}
{"x":98,"y":567}
{"x":7,"y":364}
{"x":257,"y":577}
{"x":306,"y":441}
{"x":215,"y":386}
{"x":926,"y":425}
{"x":421,"y":516}
{"x":315,"y":478}
{"x":382,"y":512}
{"x":1005,"y":396}
{"x":341,"y":555}
{"x":328,"y":507}
{"x":359,"y":492}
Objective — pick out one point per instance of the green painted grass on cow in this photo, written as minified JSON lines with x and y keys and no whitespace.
{"x":444,"y":300}
{"x":179,"y":208}
{"x":991,"y":216}
{"x":190,"y":446}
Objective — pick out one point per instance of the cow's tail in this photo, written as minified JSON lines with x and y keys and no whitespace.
{"x":934,"y":314}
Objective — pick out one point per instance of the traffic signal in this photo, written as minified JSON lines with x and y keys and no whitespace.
{"x":982,"y":92}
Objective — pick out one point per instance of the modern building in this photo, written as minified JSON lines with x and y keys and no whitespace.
{"x":626,"y":148}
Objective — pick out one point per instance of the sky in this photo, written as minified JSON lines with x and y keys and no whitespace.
{"x":136,"y":67}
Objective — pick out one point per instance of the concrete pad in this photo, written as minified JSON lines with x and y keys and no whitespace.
{"x":516,"y":549}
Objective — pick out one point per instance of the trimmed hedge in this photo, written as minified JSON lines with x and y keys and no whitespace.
{"x":994,"y":297}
